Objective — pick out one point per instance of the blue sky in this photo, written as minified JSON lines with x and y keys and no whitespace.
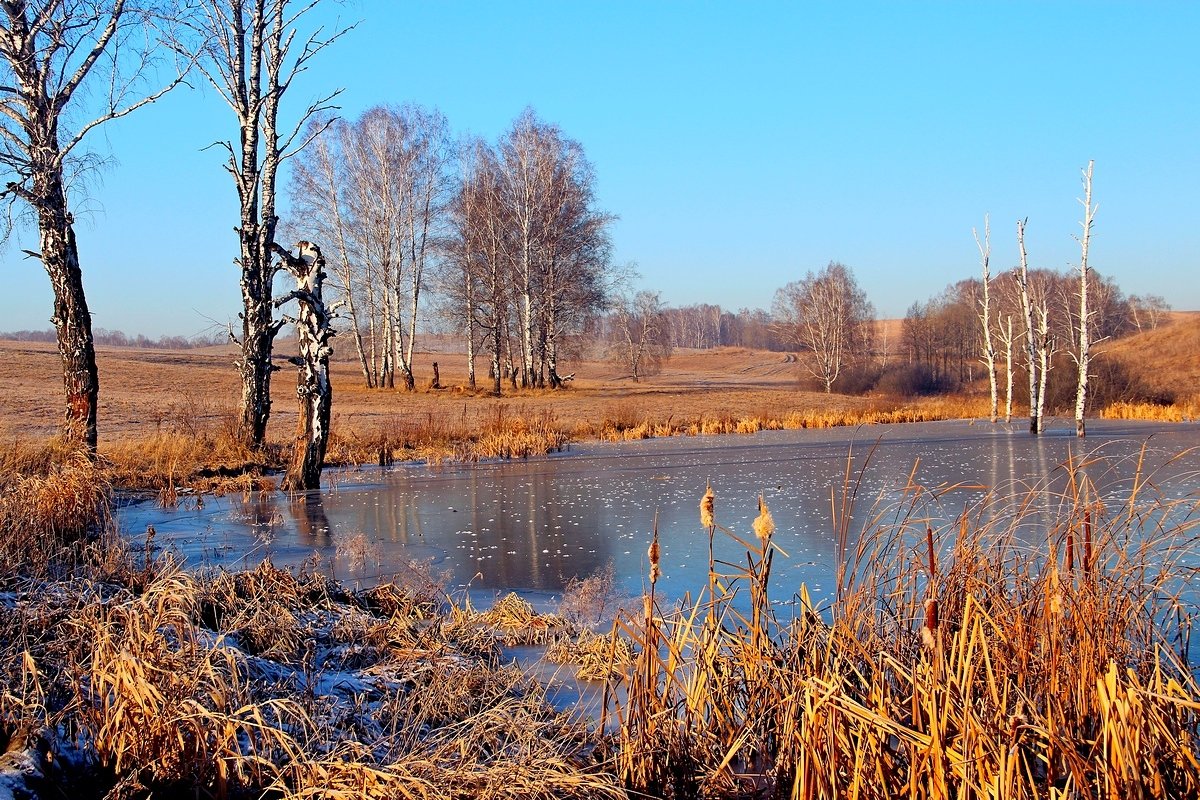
{"x":740,"y":144}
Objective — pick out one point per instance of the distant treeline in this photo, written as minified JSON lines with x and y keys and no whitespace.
{"x":121,"y":339}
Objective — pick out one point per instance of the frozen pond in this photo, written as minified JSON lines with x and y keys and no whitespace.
{"x":533,"y":525}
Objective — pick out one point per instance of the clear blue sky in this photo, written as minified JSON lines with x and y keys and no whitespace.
{"x":741,"y":144}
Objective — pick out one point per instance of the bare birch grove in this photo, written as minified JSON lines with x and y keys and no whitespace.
{"x":529,"y":251}
{"x":68,"y":67}
{"x":379,"y":187}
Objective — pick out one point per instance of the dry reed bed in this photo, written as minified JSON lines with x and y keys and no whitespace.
{"x":122,"y":674}
{"x":1035,"y":648}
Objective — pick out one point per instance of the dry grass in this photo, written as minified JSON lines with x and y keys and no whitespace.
{"x":1031,"y":649}
{"x":142,"y":679}
{"x":1186,"y":409}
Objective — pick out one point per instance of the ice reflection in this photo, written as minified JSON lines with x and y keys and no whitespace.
{"x":533,"y":525}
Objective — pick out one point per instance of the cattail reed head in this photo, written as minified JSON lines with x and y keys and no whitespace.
{"x":1054,"y":598}
{"x":764,"y":524}
{"x":655,"y":556}
{"x":930,"y":626}
{"x":706,"y":507}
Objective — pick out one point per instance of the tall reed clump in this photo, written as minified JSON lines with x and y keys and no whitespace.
{"x":1035,"y":647}
{"x":51,"y":500}
{"x":1186,"y":409}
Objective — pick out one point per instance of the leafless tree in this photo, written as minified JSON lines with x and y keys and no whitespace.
{"x":68,"y":67}
{"x":529,"y":251}
{"x":641,"y":334}
{"x":1031,"y":341}
{"x":557,"y":240}
{"x":1147,"y":310}
{"x":313,"y":388}
{"x":1007,"y":338}
{"x":479,"y":252}
{"x":316,"y":190}
{"x":253,"y":51}
{"x":827,"y":315}
{"x":985,"y":311}
{"x":1082,"y":355}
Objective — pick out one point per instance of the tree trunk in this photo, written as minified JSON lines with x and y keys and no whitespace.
{"x":72,"y":320}
{"x":258,"y":340}
{"x":313,"y":388}
{"x":1083,"y":358}
{"x":985,"y":313}
{"x":1030,"y":339}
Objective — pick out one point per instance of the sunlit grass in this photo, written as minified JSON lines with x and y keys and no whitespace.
{"x":1036,"y":647}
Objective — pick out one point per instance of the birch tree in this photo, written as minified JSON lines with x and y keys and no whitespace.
{"x":985,"y":311}
{"x":68,"y":67}
{"x":1007,"y":339}
{"x":1021,"y":276}
{"x":1082,"y":355}
{"x":642,"y":335}
{"x":827,"y":315}
{"x":314,"y":391}
{"x":253,"y":53}
{"x":316,"y":193}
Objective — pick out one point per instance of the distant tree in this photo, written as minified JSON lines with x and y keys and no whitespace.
{"x":641,"y":334}
{"x":1147,"y":310}
{"x":68,"y":67}
{"x":827,"y":315}
{"x":252,"y":52}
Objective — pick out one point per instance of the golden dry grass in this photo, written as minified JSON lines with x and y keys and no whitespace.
{"x":262,"y":683}
{"x":1031,"y":649}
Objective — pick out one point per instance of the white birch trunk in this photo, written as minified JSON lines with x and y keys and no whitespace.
{"x":1031,"y":342}
{"x":985,"y":313}
{"x":1083,"y":357}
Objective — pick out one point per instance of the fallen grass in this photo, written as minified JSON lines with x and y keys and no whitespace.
{"x":1036,"y":647}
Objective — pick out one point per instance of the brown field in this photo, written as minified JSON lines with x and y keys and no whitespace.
{"x":145,"y":391}
{"x":169,"y":416}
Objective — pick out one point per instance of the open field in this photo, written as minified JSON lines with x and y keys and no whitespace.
{"x":169,"y":416}
{"x":143,"y":390}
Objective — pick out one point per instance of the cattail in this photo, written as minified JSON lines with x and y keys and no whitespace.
{"x":1054,"y":602}
{"x":654,"y":555}
{"x":706,"y":507}
{"x":930,"y":626}
{"x":764,"y":524}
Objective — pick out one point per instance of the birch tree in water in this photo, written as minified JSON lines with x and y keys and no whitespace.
{"x":985,"y":310}
{"x":253,"y":52}
{"x":1082,"y":353}
{"x":313,"y":388}
{"x":68,"y":67}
